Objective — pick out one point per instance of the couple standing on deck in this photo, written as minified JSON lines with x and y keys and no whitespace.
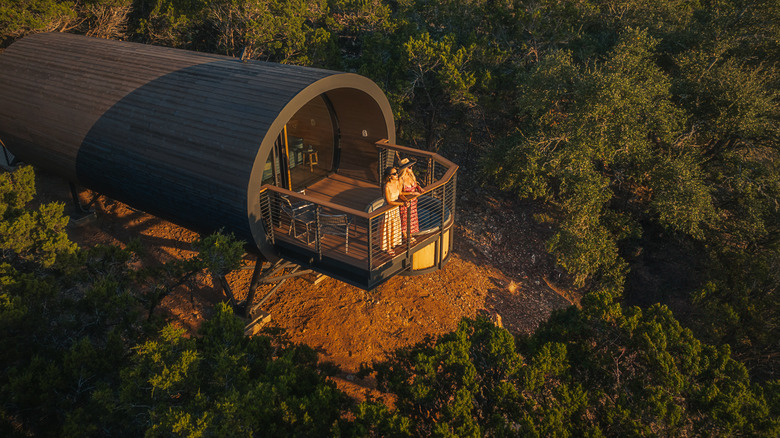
{"x":402,"y":190}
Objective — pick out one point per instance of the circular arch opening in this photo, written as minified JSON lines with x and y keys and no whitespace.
{"x":331,"y":126}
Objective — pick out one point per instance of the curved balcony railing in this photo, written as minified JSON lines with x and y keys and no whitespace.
{"x":346,"y":243}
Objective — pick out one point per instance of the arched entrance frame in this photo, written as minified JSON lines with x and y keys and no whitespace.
{"x":358,"y":129}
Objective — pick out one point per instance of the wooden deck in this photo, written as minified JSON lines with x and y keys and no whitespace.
{"x":348,"y":192}
{"x":342,"y":196}
{"x":343,"y":190}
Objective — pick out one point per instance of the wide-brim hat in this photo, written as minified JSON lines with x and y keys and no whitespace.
{"x":403,"y":164}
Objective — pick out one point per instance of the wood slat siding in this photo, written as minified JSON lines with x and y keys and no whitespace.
{"x":179,"y":134}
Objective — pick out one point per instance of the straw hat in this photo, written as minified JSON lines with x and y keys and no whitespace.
{"x":403,"y":164}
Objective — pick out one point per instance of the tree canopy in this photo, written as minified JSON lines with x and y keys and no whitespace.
{"x":650,"y":129}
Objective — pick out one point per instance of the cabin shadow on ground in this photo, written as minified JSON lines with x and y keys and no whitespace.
{"x":114,"y":223}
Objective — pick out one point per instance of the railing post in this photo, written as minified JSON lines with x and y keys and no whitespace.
{"x":370,"y":247}
{"x":317,"y":235}
{"x":380,"y":165}
{"x":454,"y":194}
{"x":441,"y":224}
{"x":408,"y":227}
{"x":267,"y":215}
{"x":429,"y":176}
{"x":454,"y":191}
{"x":443,"y":201}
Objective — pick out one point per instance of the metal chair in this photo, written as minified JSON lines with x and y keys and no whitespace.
{"x":300,"y":212}
{"x":336,"y":225}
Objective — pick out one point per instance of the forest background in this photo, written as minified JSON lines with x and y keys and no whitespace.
{"x":649,"y":130}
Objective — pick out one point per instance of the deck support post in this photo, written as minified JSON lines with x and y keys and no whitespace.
{"x":250,"y":296}
{"x":266,"y":276}
{"x":257,"y":318}
{"x":228,"y":291}
{"x":74,"y":193}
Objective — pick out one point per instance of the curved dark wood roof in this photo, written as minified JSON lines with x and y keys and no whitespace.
{"x":179,"y":134}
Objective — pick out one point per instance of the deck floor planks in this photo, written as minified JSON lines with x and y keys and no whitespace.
{"x":349,"y":192}
{"x":343,"y":190}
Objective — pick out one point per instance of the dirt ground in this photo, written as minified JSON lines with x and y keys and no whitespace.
{"x":498,"y":267}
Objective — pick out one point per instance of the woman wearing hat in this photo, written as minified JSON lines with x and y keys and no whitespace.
{"x":410,"y":190}
{"x":391,"y":223}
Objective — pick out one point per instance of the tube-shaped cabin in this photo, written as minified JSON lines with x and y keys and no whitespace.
{"x":287,"y":158}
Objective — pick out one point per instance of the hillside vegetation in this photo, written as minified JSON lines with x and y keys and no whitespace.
{"x":649,"y":128}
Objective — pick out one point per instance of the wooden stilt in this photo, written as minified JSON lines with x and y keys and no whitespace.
{"x":272,"y":273}
{"x":228,"y":291}
{"x":250,"y":296}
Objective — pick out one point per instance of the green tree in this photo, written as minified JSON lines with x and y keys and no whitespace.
{"x":654,"y":121}
{"x":19,"y":18}
{"x":172,"y":23}
{"x":98,"y":18}
{"x":66,"y":314}
{"x":70,"y":317}
{"x":638,"y":373}
{"x":596,"y":141}
{"x":225,"y":384}
{"x":285,"y":31}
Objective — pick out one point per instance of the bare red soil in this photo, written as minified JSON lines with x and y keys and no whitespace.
{"x":498,"y":267}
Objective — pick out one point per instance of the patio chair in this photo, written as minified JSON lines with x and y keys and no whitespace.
{"x":336,"y":225}
{"x":301,"y":213}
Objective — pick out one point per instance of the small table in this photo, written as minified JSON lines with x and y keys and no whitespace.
{"x":310,"y":153}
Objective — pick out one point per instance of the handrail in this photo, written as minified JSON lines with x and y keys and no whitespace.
{"x":438,"y":207}
{"x":315,"y":200}
{"x":386,"y":144}
{"x":451,"y":167}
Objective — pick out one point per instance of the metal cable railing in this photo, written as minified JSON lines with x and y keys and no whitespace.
{"x":318,"y":228}
{"x":434,"y":209}
{"x":315,"y":225}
